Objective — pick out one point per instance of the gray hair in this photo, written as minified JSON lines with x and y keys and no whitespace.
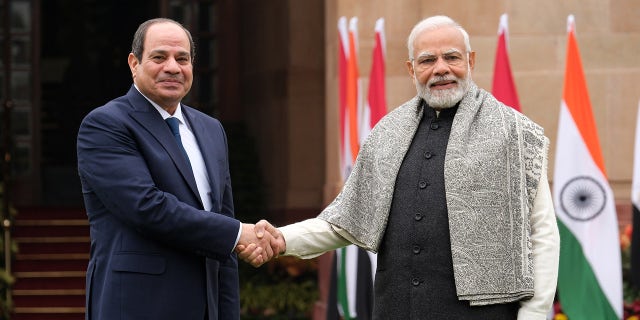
{"x":433,"y":23}
{"x":137,"y":46}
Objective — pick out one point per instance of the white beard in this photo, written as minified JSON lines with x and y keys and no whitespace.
{"x":447,"y":98}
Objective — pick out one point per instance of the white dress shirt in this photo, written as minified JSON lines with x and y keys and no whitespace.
{"x":193,"y":151}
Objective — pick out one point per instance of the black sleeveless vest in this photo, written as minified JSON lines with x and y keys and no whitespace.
{"x":414,"y":277}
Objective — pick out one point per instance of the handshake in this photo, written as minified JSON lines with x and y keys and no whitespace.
{"x":259,"y":243}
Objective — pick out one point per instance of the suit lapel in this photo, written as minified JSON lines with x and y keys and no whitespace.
{"x":149,"y":118}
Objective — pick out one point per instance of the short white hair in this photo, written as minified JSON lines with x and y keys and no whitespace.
{"x":433,"y":23}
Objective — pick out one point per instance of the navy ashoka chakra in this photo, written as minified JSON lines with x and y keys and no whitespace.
{"x":583,"y":198}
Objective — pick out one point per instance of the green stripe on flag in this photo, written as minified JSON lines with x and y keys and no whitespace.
{"x":580,"y":294}
{"x":342,"y":285}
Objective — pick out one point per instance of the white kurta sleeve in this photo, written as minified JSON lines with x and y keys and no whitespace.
{"x":546,"y":255}
{"x":312,"y":237}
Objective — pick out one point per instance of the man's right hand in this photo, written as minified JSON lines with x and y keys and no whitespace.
{"x":259,"y":243}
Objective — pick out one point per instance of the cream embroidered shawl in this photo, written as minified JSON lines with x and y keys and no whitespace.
{"x":493,"y":162}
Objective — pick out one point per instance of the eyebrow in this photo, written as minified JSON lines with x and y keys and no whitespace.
{"x":165,"y":52}
{"x":453,"y":50}
{"x":431,"y":54}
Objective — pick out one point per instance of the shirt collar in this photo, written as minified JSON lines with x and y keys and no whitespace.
{"x":177,"y":114}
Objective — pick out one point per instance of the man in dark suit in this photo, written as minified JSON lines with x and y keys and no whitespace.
{"x":158,"y":194}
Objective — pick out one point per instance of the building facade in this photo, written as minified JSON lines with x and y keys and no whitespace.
{"x":268,"y":71}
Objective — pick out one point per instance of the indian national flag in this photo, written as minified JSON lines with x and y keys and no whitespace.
{"x":504,"y":88}
{"x":350,"y":101}
{"x":349,"y":93}
{"x":590,"y":275}
{"x":352,"y":291}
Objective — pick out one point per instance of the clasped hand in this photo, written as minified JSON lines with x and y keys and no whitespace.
{"x":259,"y":243}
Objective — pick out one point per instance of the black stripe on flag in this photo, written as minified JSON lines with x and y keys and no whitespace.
{"x":635,"y":247}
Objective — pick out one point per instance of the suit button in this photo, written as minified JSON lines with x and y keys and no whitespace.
{"x":435,"y":126}
{"x":416,"y":249}
{"x":423,"y":184}
{"x":428,"y":155}
{"x":418,"y":216}
{"x":415,"y":282}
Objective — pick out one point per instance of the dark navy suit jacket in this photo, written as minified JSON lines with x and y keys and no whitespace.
{"x":155,"y":253}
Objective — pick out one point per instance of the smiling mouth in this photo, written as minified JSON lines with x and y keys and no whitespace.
{"x":439,"y":84}
{"x":170,"y":80}
{"x":170,"y":84}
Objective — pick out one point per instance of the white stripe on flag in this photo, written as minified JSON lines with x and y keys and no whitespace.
{"x":352,"y":277}
{"x":599,"y":235}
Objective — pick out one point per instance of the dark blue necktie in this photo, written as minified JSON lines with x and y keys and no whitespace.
{"x":174,"y":123}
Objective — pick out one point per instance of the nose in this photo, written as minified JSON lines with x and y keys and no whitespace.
{"x":441,"y":67}
{"x":171,"y":65}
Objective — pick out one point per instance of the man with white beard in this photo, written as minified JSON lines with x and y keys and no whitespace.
{"x":450,"y":189}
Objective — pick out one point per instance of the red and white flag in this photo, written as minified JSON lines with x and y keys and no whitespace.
{"x":504,"y":88}
{"x":376,"y":106}
{"x":343,"y":62}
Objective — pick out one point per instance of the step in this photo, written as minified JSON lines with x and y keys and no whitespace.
{"x":53,"y":256}
{"x":51,"y":222}
{"x":51,"y":228}
{"x":48,"y":313}
{"x":49,"y":298}
{"x":52,"y":239}
{"x":33,"y":245}
{"x":51,"y":262}
{"x":37,"y":292}
{"x":49,"y":280}
{"x":50,"y":213}
{"x":50,"y":265}
{"x":49,"y":274}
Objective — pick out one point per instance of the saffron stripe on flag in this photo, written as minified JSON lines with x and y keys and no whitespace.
{"x":590,"y":274}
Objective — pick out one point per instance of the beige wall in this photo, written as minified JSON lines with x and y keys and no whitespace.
{"x":289,"y":77}
{"x":608,"y":34}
